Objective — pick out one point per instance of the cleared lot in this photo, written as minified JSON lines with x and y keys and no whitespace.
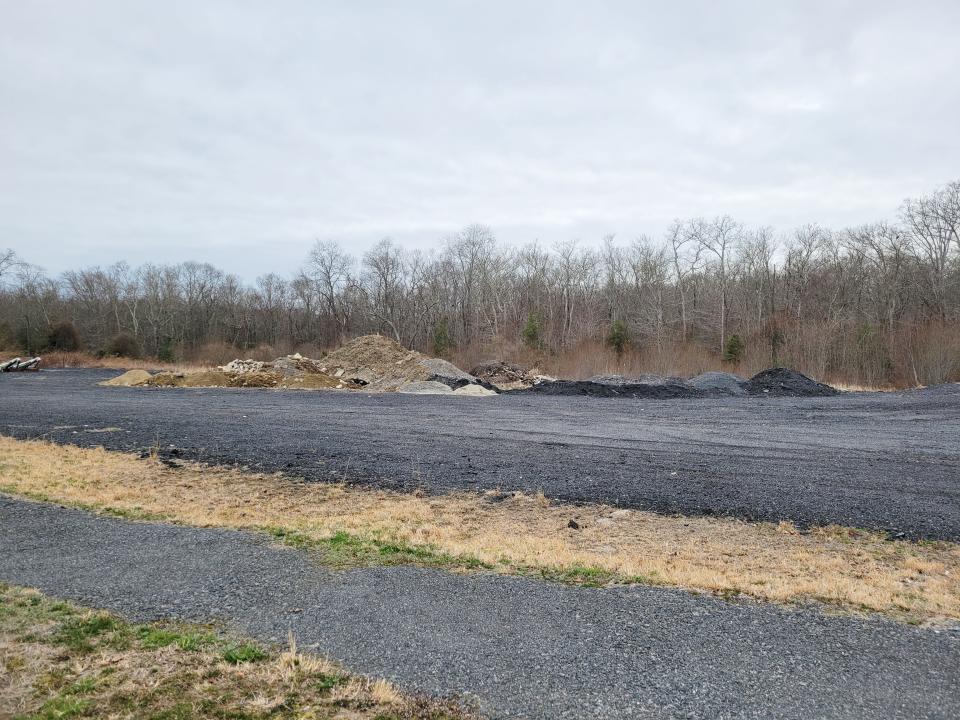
{"x":889,"y":461}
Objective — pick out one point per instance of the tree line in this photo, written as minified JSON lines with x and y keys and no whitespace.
{"x":874,"y":304}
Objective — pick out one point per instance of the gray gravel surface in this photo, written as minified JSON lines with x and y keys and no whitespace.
{"x":883,"y":460}
{"x":523,"y":648}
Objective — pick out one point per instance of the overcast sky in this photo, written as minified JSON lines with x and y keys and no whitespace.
{"x":239,"y":132}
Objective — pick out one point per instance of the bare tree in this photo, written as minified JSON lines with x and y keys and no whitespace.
{"x":329,"y":267}
{"x":718,"y":238}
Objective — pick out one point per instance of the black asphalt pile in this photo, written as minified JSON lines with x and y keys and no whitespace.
{"x":719,"y":383}
{"x":645,"y":386}
{"x":787,"y":383}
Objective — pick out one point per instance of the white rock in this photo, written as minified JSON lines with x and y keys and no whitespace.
{"x":425,"y":387}
{"x":474,"y":391}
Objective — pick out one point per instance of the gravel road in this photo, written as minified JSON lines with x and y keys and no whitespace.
{"x":523,"y":648}
{"x":889,"y":461}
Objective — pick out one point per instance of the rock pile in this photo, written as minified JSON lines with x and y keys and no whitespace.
{"x":243,"y":366}
{"x":719,"y":383}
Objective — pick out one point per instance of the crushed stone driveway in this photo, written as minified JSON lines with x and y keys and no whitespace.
{"x":888,"y":461}
{"x":519,"y":647}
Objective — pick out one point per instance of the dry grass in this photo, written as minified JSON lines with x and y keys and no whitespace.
{"x":850,"y":387}
{"x":59,"y":359}
{"x":61,"y":661}
{"x":842,"y":567}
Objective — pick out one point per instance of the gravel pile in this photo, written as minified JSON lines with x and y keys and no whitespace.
{"x":787,"y":383}
{"x":425,"y":387}
{"x":719,"y":383}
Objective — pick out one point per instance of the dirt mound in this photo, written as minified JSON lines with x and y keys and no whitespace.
{"x":789,"y":383}
{"x":128,"y":379}
{"x":719,"y":383}
{"x":246,"y":379}
{"x":383,"y":365}
{"x":213,"y":378}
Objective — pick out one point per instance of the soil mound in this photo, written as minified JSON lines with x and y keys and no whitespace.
{"x":383,"y":365}
{"x":246,"y":379}
{"x":788,"y":383}
{"x":129,"y":379}
{"x":719,"y":383}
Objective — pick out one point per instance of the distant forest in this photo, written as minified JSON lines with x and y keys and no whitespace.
{"x":875,"y":305}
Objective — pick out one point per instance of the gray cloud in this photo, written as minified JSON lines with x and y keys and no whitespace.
{"x":176,"y":130}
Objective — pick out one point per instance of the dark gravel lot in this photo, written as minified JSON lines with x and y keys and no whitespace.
{"x":524,"y":648}
{"x":889,"y":461}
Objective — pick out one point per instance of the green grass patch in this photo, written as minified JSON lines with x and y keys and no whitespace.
{"x":343,"y":550}
{"x":77,"y":633}
{"x":243,"y":653}
{"x":154,"y":638}
{"x":61,"y":707}
{"x":328,"y":682}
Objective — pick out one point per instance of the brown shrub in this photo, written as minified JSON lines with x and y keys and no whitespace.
{"x":64,"y":336}
{"x":123,"y":345}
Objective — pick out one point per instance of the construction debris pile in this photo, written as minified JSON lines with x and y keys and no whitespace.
{"x":508,"y":376}
{"x":372,"y":363}
{"x":19,"y":364}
